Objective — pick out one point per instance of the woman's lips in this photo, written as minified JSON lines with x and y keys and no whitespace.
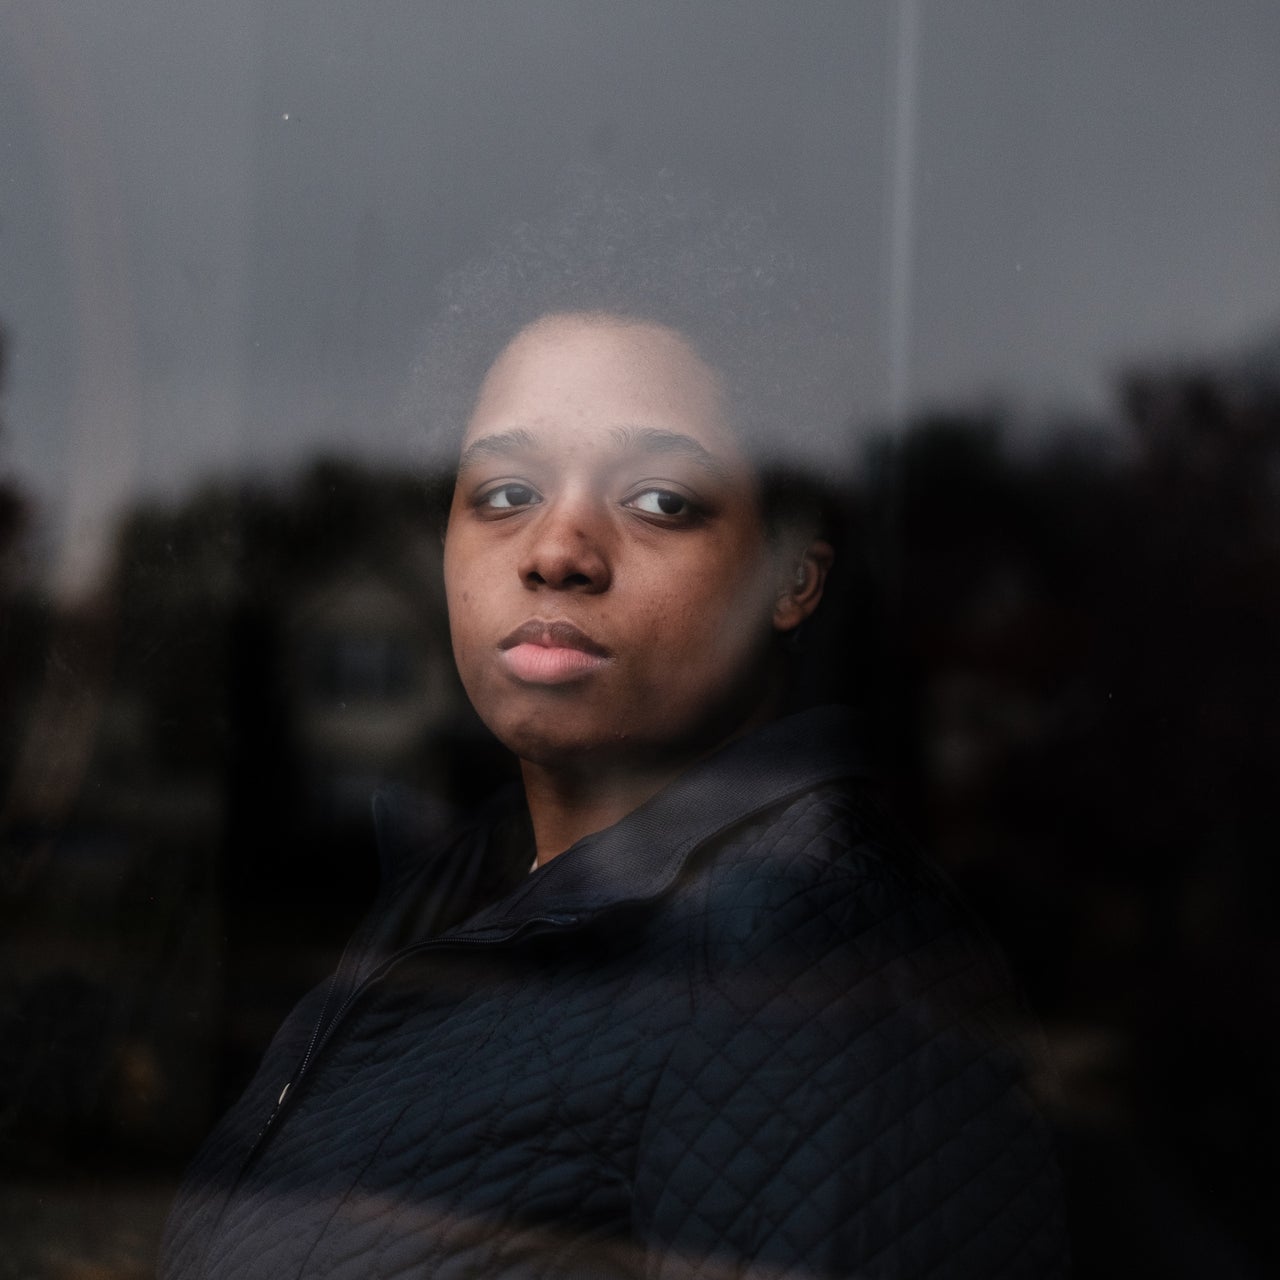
{"x":541,"y":664}
{"x":539,"y":652}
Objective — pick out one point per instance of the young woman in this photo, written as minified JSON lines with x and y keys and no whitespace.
{"x":687,"y":1006}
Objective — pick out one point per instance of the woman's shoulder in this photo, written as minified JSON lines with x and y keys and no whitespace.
{"x":838,"y":837}
{"x":832,"y":874}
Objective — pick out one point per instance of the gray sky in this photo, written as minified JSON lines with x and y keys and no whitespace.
{"x":220,"y":225}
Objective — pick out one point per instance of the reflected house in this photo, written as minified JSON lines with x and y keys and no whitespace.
{"x":342,"y":684}
{"x":340,"y":678}
{"x":371,"y":685}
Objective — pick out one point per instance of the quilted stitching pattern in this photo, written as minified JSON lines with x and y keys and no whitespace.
{"x":860,"y":1086}
{"x":785,"y":1066}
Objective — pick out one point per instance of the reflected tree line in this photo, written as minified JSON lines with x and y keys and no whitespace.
{"x":1067,"y":655}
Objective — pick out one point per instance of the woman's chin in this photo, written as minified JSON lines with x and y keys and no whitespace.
{"x":608,"y":754}
{"x":562,"y":747}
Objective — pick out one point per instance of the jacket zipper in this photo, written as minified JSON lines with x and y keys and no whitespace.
{"x":321,"y":1034}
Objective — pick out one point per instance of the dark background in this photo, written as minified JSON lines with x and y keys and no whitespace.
{"x":1057,"y":232}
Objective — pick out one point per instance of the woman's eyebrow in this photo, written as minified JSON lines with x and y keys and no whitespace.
{"x":658,"y":440}
{"x":630,"y":439}
{"x":499,"y":444}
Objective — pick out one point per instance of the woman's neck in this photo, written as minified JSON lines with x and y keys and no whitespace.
{"x":569,"y":801}
{"x":565,"y":806}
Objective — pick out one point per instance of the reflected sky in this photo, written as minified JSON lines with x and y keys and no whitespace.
{"x":220,"y":226}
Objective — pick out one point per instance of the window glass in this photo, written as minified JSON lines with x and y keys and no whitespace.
{"x":1052,"y":233}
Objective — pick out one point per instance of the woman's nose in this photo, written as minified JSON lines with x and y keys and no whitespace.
{"x":566,"y":550}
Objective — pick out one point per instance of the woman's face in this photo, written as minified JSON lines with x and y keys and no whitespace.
{"x":612,"y":590}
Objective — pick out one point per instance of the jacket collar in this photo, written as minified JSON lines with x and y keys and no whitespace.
{"x":641,"y":856}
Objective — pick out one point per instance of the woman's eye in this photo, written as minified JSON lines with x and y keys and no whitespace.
{"x":661,"y":502}
{"x":506,"y":497}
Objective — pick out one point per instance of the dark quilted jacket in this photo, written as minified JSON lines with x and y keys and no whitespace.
{"x":741,"y":1033}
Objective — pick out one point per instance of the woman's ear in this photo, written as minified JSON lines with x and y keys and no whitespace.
{"x":802,"y":591}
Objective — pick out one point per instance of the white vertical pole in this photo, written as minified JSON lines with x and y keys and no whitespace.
{"x":901,"y":205}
